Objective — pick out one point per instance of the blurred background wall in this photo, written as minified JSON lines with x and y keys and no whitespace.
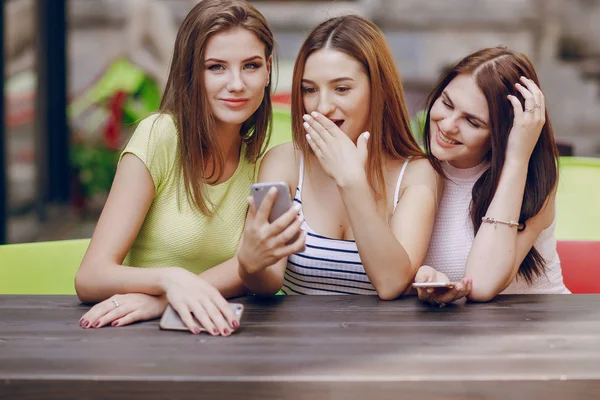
{"x":118,"y":53}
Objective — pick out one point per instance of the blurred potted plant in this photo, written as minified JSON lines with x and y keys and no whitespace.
{"x":101,"y":118}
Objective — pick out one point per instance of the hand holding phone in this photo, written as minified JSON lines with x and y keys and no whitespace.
{"x":435,"y":288}
{"x":273,"y":227}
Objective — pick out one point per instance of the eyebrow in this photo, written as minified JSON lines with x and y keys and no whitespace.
{"x":225,"y":62}
{"x":336,"y":80}
{"x":445,"y":94}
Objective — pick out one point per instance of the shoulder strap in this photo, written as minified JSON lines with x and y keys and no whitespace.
{"x":400,"y":176}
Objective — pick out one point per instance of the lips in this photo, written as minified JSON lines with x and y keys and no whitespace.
{"x":445,"y":140}
{"x":235,"y":102}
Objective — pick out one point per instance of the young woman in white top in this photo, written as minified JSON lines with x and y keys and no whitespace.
{"x":488,"y":132}
{"x":367,"y":212}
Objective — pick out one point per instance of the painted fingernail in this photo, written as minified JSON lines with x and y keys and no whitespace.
{"x":215,"y":331}
{"x":115,"y":323}
{"x":306,"y":117}
{"x":86,"y":324}
{"x":82,"y":322}
{"x":308,"y":137}
{"x":196,"y":330}
{"x":314,"y":114}
{"x":367,"y":135}
{"x":96,"y":324}
{"x":306,"y":125}
{"x":226,"y":331}
{"x":235,"y":324}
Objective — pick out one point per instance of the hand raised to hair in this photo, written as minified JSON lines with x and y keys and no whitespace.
{"x":528,"y":123}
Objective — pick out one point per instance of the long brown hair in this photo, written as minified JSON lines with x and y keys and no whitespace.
{"x":388,"y":119}
{"x":496,"y":70}
{"x":185,"y":97}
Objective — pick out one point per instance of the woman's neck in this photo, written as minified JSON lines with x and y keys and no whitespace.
{"x":229,"y":141}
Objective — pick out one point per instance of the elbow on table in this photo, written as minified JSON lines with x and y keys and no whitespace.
{"x":83,"y":284}
{"x":389,"y":292}
{"x":482,"y":294}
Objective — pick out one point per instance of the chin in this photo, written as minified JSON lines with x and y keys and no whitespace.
{"x":441,"y":154}
{"x":233,"y":119}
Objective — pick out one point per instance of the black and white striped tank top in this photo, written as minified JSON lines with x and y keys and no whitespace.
{"x":328,"y":266}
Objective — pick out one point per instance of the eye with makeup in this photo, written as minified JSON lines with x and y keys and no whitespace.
{"x":447,"y":103}
{"x":308,"y":90}
{"x":342,"y":89}
{"x":472,"y":123}
{"x":216,"y":67}
{"x":253,"y":66}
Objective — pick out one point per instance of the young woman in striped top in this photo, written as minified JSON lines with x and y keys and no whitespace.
{"x":488,"y":132}
{"x":365,"y":194}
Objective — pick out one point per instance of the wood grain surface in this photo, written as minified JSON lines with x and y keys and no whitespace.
{"x":311,"y":347}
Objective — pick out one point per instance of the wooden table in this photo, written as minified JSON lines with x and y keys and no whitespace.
{"x":311,"y":347}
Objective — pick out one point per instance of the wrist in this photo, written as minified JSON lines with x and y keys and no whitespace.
{"x":165,"y":278}
{"x":351,"y":181}
{"x":517,"y":163}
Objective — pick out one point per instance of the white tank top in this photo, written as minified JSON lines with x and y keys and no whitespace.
{"x":453,"y":236}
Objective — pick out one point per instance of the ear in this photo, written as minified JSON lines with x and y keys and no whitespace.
{"x":269,"y":65}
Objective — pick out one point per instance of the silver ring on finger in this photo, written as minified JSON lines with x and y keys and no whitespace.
{"x":529,"y":110}
{"x":440,"y":305}
{"x":538,"y":105}
{"x":115,"y":302}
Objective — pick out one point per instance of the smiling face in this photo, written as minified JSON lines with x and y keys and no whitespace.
{"x":459,"y":124}
{"x":336,"y":85}
{"x":235,"y":75}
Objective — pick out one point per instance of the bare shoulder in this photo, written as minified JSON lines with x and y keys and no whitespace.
{"x":422,"y":177}
{"x":281,"y":163}
{"x":420,"y":171}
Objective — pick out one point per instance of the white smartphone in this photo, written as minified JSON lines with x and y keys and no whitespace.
{"x":448,"y":285}
{"x":172,"y":321}
{"x":283,"y":202}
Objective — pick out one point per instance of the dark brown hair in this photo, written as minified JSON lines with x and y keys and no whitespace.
{"x":389,"y":123}
{"x":185,"y":97}
{"x":496,"y":70}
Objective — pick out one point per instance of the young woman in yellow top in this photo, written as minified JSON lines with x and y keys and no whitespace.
{"x":178,"y":201}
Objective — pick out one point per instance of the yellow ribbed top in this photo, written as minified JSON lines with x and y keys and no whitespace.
{"x":174,"y":233}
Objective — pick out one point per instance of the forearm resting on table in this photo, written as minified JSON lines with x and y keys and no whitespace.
{"x":385,"y":260}
{"x":267,"y":281}
{"x":225,"y":277}
{"x":95,"y":283}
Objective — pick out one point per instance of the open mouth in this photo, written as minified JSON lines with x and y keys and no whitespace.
{"x":446,"y":139}
{"x":338,"y":122}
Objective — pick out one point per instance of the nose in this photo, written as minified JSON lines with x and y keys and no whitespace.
{"x":449,"y":123}
{"x":325,"y":105}
{"x":236,"y":82}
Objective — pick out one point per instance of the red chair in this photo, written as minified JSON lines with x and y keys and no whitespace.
{"x":580,"y":262}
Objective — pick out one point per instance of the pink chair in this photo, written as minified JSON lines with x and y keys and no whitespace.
{"x":580,"y":261}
